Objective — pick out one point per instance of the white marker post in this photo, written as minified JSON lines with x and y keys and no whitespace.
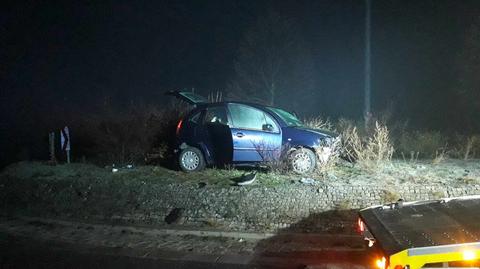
{"x":65,"y":141}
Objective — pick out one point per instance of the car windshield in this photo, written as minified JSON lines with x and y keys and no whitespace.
{"x":287,"y":117}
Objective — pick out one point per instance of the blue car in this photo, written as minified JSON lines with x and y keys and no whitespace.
{"x":241,"y":133}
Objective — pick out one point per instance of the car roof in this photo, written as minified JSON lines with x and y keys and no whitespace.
{"x":255,"y":105}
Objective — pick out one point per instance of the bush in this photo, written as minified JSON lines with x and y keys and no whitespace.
{"x":421,"y":144}
{"x":273,"y":160}
{"x":465,"y":147}
{"x":128,"y":135}
{"x":319,"y":123}
{"x":326,"y":165}
{"x":368,"y":151}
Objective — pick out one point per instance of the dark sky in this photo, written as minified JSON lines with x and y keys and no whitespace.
{"x":70,"y":55}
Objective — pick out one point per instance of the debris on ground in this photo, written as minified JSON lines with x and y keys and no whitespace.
{"x":307,"y":181}
{"x":176,"y":216}
{"x":246,"y":179}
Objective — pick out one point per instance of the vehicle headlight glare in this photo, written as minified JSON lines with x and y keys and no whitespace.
{"x":469,"y":255}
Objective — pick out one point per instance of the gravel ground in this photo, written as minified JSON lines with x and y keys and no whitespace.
{"x":152,"y":195}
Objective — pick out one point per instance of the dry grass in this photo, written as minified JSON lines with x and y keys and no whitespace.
{"x":465,"y":147}
{"x":425,"y":144}
{"x":273,"y":160}
{"x":319,"y":123}
{"x":327,"y":165}
{"x":471,"y":141}
{"x":370,"y":151}
{"x":389,"y":196}
{"x":379,"y":147}
{"x":215,"y":97}
{"x":413,"y":157}
{"x":440,"y":156}
{"x":352,"y":145}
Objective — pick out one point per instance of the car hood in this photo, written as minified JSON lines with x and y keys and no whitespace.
{"x":317,"y":131}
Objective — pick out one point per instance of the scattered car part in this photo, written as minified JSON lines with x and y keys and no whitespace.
{"x":247,"y":179}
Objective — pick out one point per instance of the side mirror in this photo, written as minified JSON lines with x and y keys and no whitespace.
{"x":267,"y":127}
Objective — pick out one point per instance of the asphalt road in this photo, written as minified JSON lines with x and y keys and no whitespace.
{"x":24,"y":253}
{"x":16,"y":252}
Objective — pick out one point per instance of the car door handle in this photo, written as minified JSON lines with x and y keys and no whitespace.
{"x":239,"y":134}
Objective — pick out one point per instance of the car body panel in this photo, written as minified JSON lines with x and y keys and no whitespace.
{"x":225,"y":142}
{"x":255,"y":146}
{"x":252,"y":140}
{"x":304,"y":137}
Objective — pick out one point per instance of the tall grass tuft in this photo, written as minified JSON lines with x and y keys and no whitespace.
{"x":369,"y":151}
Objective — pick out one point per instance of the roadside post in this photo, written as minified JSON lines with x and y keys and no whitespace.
{"x":51,"y":142}
{"x":65,"y":141}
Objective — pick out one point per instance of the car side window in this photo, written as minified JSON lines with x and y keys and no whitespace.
{"x":216,"y":114}
{"x":271,"y":122}
{"x":245,"y":117}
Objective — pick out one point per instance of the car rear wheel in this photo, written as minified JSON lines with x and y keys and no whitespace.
{"x":302,"y":161}
{"x":191,"y":160}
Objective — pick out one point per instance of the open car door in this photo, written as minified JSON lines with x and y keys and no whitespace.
{"x":189,"y":97}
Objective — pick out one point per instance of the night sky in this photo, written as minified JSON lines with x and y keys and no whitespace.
{"x":71,"y":55}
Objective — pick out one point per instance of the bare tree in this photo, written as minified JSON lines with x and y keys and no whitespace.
{"x":273,"y":61}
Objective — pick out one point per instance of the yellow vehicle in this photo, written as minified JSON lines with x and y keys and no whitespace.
{"x":441,"y":233}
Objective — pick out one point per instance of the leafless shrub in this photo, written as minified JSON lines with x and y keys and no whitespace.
{"x":440,"y":155}
{"x":379,"y":146}
{"x":215,"y":97}
{"x":328,"y":157}
{"x":352,"y":145}
{"x":465,"y":146}
{"x":129,"y":135}
{"x":369,"y":152}
{"x":272,"y":157}
{"x":427,"y":144}
{"x":413,"y":157}
{"x":471,"y":141}
{"x":121,"y":137}
{"x":157,"y":153}
{"x":344,"y":124}
{"x":319,"y":123}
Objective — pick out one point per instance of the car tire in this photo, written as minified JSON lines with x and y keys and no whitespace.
{"x":302,"y":161}
{"x":191,"y":160}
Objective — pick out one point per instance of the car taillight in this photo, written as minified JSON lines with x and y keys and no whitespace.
{"x":360,"y":225}
{"x":179,"y":126}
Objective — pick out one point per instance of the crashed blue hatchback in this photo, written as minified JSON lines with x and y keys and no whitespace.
{"x":238,"y":133}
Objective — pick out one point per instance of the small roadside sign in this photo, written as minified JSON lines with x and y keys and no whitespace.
{"x":65,"y":141}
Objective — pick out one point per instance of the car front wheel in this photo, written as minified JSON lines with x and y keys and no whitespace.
{"x":302,"y":161}
{"x":191,"y":160}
